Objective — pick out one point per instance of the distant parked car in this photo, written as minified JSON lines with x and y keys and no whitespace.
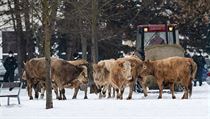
{"x":3,"y":70}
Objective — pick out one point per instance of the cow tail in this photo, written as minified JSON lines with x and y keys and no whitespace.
{"x":190,"y":88}
{"x":193,"y":68}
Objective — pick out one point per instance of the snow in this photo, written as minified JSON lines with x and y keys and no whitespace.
{"x":197,"y":107}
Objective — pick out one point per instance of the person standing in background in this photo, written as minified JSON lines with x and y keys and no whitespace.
{"x":10,"y":64}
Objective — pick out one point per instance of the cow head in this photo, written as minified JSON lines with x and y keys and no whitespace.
{"x":147,"y":68}
{"x":24,"y":75}
{"x":99,"y":73}
{"x":125,"y":67}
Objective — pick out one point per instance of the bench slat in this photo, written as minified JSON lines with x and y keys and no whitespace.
{"x":11,"y":85}
{"x":8,"y":95}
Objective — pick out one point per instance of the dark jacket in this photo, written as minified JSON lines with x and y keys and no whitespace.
{"x":10,"y":63}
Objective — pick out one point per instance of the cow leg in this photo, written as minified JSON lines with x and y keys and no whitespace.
{"x":185,"y":95}
{"x":121,"y":93}
{"x":144,"y":86}
{"x":36,"y":93}
{"x":109,"y":91}
{"x":130,"y":91}
{"x":63,"y":93}
{"x":55,"y":87}
{"x":36,"y":90}
{"x":160,"y":85}
{"x":85,"y":92}
{"x":172,"y":90}
{"x":42,"y":92}
{"x":60,"y":94}
{"x":118,"y":93}
{"x":100,"y":92}
{"x":29,"y":88}
{"x":113,"y":93}
{"x":104,"y":91}
{"x":56,"y":93}
{"x":76,"y":90}
{"x":43,"y":89}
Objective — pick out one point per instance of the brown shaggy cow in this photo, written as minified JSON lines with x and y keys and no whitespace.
{"x":171,"y":70}
{"x":82,"y":81}
{"x":62,"y":73}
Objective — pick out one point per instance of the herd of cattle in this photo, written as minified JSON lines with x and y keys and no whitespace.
{"x":110,"y":75}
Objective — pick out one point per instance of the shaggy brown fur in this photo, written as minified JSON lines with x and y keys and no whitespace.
{"x":62,"y":73}
{"x":171,"y":70}
{"x":101,"y":72}
{"x":119,"y":77}
{"x":82,"y":80}
{"x":79,"y":62}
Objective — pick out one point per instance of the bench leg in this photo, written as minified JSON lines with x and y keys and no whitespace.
{"x":8,"y":101}
{"x":18,"y":99}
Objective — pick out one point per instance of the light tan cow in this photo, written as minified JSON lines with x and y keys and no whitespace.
{"x":136,"y":65}
{"x":101,"y":72}
{"x":120,"y":75}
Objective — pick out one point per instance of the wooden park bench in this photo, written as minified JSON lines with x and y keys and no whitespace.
{"x":8,"y":89}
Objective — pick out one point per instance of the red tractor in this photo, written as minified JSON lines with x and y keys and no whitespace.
{"x":158,"y":41}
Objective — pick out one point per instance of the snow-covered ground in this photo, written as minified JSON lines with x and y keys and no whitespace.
{"x":197,"y":107}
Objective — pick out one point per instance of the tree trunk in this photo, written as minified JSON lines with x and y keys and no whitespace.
{"x":69,"y":49}
{"x":83,"y":41}
{"x":84,"y":47}
{"x":20,"y":38}
{"x":94,"y":47}
{"x":30,"y":47}
{"x":47,"y":37}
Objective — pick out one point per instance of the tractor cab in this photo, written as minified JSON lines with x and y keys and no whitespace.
{"x":154,"y":38}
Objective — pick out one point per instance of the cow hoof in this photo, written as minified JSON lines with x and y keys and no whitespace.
{"x":85,"y":97}
{"x":159,"y":97}
{"x":64,"y":98}
{"x":128,"y":98}
{"x":173,"y":97}
{"x":74,"y":97}
{"x":145,"y":95}
{"x":31,"y":98}
{"x":36,"y":96}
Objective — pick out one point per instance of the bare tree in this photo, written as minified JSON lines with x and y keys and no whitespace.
{"x":94,"y":47}
{"x":28,"y":31}
{"x":19,"y":35}
{"x":49,"y":9}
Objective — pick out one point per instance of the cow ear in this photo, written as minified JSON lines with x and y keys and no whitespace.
{"x":95,"y":66}
{"x":102,"y":64}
